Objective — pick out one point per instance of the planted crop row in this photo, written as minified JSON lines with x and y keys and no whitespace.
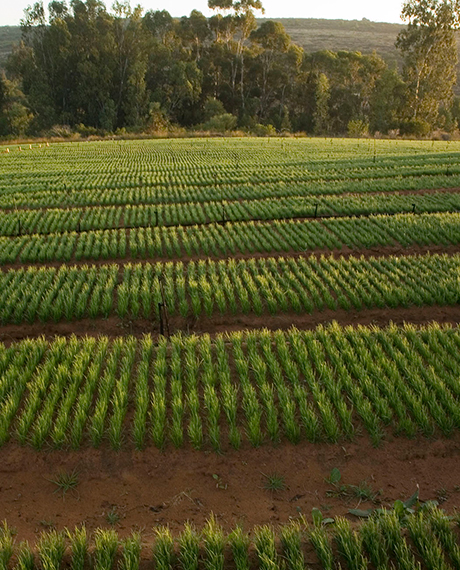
{"x":291,"y":207}
{"x":45,"y":294}
{"x":257,"y":386}
{"x":431,"y":537}
{"x":429,"y":542}
{"x":132,"y":216}
{"x":50,"y":221}
{"x":236,"y":189}
{"x":221,"y":240}
{"x":197,"y":170}
{"x":248,"y":286}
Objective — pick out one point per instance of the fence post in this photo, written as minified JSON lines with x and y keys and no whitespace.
{"x":160,"y":312}
{"x":164,"y":323}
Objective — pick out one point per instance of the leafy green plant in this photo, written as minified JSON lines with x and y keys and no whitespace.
{"x":113,"y":516}
{"x":130,"y":557}
{"x":189,"y":548}
{"x":79,"y":547}
{"x":265,"y":544}
{"x":163,"y":548}
{"x":6,"y":545}
{"x":319,"y":519}
{"x":291,"y":540}
{"x":105,"y":549}
{"x":363,"y":491}
{"x":66,"y":481}
{"x":51,"y":548}
{"x":402,"y":509}
{"x":240,"y":542}
{"x":274,"y":482}
{"x":25,"y":557}
{"x":214,"y":545}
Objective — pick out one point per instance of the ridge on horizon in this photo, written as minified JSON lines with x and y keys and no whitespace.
{"x":313,"y":34}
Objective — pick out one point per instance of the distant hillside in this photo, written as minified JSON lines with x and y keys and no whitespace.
{"x":313,"y":35}
{"x":351,"y":35}
{"x":8,"y":36}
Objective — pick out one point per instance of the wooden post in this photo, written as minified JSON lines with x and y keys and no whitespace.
{"x":160,"y":312}
{"x":164,"y":323}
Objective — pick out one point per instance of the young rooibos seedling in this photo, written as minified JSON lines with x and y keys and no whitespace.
{"x":274,"y":482}
{"x":65,"y":482}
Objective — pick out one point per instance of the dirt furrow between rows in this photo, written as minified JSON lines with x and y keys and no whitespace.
{"x":169,"y":487}
{"x":220,"y":324}
{"x":66,"y":205}
{"x":345,"y":251}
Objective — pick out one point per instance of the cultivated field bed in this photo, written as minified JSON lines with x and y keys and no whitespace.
{"x":213,"y":351}
{"x":160,"y":515}
{"x":260,"y":387}
{"x":235,"y":239}
{"x":198,"y":170}
{"x":51,"y":220}
{"x":256,"y":285}
{"x":429,"y":537}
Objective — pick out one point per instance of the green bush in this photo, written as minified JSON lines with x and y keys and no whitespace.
{"x":357,"y":129}
{"x":212,"y":108}
{"x":263,"y":130}
{"x":221,"y":123}
{"x":415,"y":127}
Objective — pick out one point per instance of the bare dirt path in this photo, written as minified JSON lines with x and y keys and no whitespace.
{"x":114,"y":326}
{"x":95,"y":205}
{"x":345,"y":251}
{"x":148,"y":488}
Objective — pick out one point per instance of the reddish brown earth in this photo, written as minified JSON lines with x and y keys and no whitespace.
{"x":114,"y":326}
{"x":345,"y":251}
{"x":408,"y":192}
{"x":149,"y":488}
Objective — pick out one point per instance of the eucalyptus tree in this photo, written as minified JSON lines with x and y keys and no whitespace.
{"x":428,"y":46}
{"x":238,"y":22}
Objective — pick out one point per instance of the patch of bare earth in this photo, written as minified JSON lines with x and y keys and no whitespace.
{"x":150,"y":487}
{"x":345,"y":251}
{"x":114,"y":326}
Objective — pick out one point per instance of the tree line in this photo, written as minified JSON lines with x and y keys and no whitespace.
{"x":83,"y":67}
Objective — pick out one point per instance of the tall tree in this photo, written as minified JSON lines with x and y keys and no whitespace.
{"x":131,"y":44}
{"x":15,"y":117}
{"x":243,"y":23}
{"x":195,"y":33}
{"x":271,"y":40}
{"x":322,"y":96}
{"x":429,"y":49}
{"x":387,"y":102}
{"x":352,"y":79}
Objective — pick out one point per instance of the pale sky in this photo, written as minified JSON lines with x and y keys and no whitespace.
{"x":11,"y":11}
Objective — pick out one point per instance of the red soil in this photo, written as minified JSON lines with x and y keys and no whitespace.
{"x":345,"y":251}
{"x":149,"y":488}
{"x":113,"y":326}
{"x":408,"y":192}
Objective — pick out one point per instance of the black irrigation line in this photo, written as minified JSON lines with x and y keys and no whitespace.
{"x":224,"y":220}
